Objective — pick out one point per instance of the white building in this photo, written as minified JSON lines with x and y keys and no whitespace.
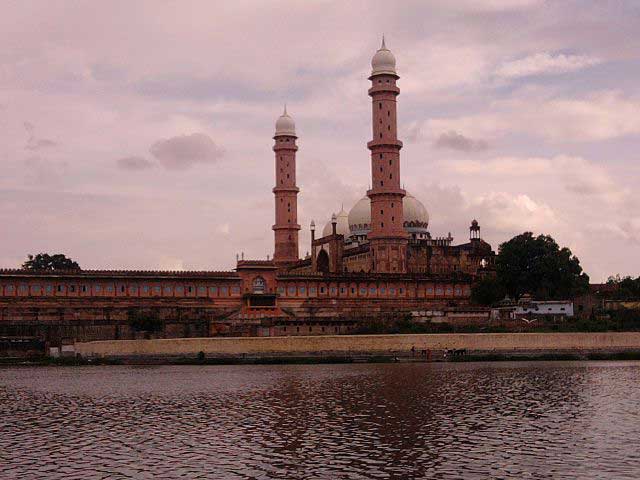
{"x":545,"y":307}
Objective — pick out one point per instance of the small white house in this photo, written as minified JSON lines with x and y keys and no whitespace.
{"x":545,"y":307}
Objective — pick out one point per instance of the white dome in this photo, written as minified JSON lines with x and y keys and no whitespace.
{"x":414,"y":212}
{"x":360,"y":217}
{"x":383,"y":61}
{"x":285,"y":124}
{"x":416,"y":217}
{"x":342,"y":225}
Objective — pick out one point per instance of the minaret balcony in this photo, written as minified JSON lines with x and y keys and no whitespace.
{"x":286,"y":226}
{"x":386,"y":191}
{"x":395,"y":76}
{"x":384,"y":142}
{"x":286,"y":189}
{"x":285,"y":146}
{"x":383,"y":88}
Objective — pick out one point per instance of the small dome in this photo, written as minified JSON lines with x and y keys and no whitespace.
{"x":383,"y":61}
{"x":285,"y":124}
{"x":342,"y":225}
{"x":416,"y":216}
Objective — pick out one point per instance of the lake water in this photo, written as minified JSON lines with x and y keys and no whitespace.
{"x":388,"y":421}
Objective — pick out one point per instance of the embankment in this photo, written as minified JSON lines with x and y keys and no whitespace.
{"x":362,"y":346}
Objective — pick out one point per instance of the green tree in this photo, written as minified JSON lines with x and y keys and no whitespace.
{"x":627,"y":288}
{"x":487,"y":291}
{"x":537,"y":265}
{"x":46,"y":262}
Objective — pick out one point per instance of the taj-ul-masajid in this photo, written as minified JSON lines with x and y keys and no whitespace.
{"x":377,"y":259}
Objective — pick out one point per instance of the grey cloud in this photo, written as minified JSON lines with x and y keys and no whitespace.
{"x":34,"y":143}
{"x":43,"y":172}
{"x":587,"y":178}
{"x":632,"y":228}
{"x":38,"y":143}
{"x":134,"y":163}
{"x":456,"y":141}
{"x":545,"y":64}
{"x":210,"y":88}
{"x":413,"y":132}
{"x":197,"y":89}
{"x":449,"y":211}
{"x":582,"y":188}
{"x":182,"y":152}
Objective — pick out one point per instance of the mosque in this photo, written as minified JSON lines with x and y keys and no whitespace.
{"x":379,"y":258}
{"x":386,"y":232}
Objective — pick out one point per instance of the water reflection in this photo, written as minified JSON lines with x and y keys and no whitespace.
{"x":517,"y":420}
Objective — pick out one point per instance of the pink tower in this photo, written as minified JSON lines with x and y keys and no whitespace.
{"x":388,"y":239}
{"x":286,"y":192}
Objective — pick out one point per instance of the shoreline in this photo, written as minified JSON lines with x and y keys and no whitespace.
{"x":474,"y":357}
{"x":630,"y":355}
{"x":402,"y":348}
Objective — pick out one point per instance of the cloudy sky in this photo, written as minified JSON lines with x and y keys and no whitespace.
{"x":138,"y":134}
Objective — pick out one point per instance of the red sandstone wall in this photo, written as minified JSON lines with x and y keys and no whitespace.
{"x":87,"y":287}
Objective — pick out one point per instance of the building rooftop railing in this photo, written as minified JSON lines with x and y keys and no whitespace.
{"x":117,"y":273}
{"x":371,"y":276}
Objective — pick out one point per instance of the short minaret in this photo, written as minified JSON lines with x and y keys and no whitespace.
{"x":286,"y":192}
{"x":474,"y":231}
{"x":388,"y":239}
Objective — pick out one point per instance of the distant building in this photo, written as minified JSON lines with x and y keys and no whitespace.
{"x":527,"y":308}
{"x":546,"y":307}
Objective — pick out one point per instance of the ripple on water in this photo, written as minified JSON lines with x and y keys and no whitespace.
{"x":503,"y":420}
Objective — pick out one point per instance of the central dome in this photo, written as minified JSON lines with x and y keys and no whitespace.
{"x":416,"y":217}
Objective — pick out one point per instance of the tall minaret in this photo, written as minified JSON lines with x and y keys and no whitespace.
{"x":388,"y":239}
{"x":286,"y":192}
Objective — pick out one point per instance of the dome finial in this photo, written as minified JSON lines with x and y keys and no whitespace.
{"x":285,"y":124}
{"x":383,"y":62}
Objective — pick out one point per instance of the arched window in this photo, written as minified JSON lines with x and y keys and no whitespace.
{"x":323,"y":262}
{"x":259,"y":285}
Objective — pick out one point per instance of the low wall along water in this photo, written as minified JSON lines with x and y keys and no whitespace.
{"x":358,"y":345}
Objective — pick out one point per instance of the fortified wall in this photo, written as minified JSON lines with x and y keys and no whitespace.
{"x":64,"y":307}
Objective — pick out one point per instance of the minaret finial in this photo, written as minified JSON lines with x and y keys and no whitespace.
{"x":383,"y":45}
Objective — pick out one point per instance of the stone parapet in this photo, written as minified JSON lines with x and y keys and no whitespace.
{"x":349,"y":345}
